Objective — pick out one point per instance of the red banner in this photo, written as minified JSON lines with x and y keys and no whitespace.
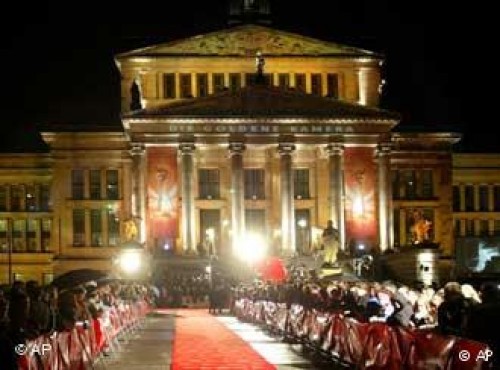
{"x":162,"y":188}
{"x":360,"y":207}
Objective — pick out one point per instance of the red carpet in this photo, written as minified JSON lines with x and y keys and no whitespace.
{"x":203,"y":343}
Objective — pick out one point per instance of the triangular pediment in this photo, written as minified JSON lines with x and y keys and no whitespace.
{"x":247,"y":40}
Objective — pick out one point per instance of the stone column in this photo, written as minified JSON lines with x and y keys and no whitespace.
{"x":287,"y":209}
{"x":237,"y":195}
{"x":187,"y":164}
{"x":384,"y":196}
{"x":336,"y":189}
{"x":138,"y":154}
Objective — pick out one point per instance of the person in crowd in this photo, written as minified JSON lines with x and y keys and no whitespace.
{"x":402,"y":307}
{"x":454,"y":311}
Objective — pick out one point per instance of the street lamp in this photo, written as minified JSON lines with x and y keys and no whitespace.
{"x":302,"y":223}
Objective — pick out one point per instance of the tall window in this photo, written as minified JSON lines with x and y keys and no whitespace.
{"x":284,"y":80}
{"x":46,"y":230}
{"x":300,"y":82}
{"x":19,"y":236}
{"x":254,"y":184}
{"x":44,"y":197}
{"x":31,"y":235}
{"x":301,"y":183}
{"x":457,"y":229}
{"x":397,"y":227}
{"x":112,"y":190}
{"x":332,"y":85}
{"x":31,"y":198}
{"x":469,"y":198}
{"x":496,"y":198}
{"x":427,"y":184}
{"x":78,"y":227}
{"x":395,"y":184}
{"x":95,"y":184}
{"x":201,"y":84}
{"x":16,"y":196}
{"x":456,"y":198}
{"x":234,"y":81}
{"x":218,"y":81}
{"x":496,"y":227}
{"x":96,"y":227}
{"x":209,"y":181}
{"x":484,"y":228}
{"x":113,"y":229}
{"x":316,"y":85}
{"x":77,"y":184}
{"x":484,"y":198}
{"x":186,"y":90}
{"x":250,"y":79}
{"x":469,"y":228}
{"x":4,"y":238}
{"x":3,"y":198}
{"x":169,"y":86}
{"x":410,"y":184}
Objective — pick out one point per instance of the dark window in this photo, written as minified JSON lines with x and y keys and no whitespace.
{"x":4,"y":239}
{"x":484,"y":198}
{"x":44,"y":197}
{"x":250,"y":79}
{"x":46,"y":231}
{"x":169,"y":86}
{"x":397,"y":226}
{"x":456,"y":199}
{"x":301,"y":183}
{"x":186,"y":90}
{"x":16,"y":196}
{"x":316,"y":85}
{"x":3,"y":198}
{"x":268,"y":79}
{"x":427,"y":184}
{"x":96,"y":227}
{"x":234,"y":81}
{"x":31,"y":198}
{"x":469,"y":198}
{"x":113,"y":229}
{"x":496,"y":198}
{"x":332,"y":85}
{"x":209,"y":181}
{"x":77,"y":184}
{"x":469,"y":228}
{"x":112,"y":190}
{"x":78,"y":227}
{"x":410,"y":184}
{"x":218,"y":82}
{"x":300,"y":82}
{"x":201,"y":84}
{"x":457,"y":230}
{"x":19,"y":236}
{"x":395,"y":184}
{"x":95,"y":184}
{"x":31,"y":236}
{"x":496,"y":227}
{"x":284,"y":80}
{"x":484,"y":228}
{"x":254,"y":184}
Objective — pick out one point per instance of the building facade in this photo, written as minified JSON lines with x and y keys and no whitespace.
{"x":234,"y":139}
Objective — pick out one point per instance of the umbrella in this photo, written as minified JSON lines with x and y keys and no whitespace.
{"x":74,"y":278}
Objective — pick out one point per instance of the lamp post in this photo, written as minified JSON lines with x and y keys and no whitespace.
{"x":302,"y":223}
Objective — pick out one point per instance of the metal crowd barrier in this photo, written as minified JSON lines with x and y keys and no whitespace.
{"x":359,"y":345}
{"x":84,"y":347}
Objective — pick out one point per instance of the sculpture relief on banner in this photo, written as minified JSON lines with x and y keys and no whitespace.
{"x":163,"y":207}
{"x":360,"y":182}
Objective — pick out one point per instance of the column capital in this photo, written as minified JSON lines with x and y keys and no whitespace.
{"x":187,"y":148}
{"x":236,"y":148}
{"x":137,"y":150}
{"x":334,"y":149}
{"x":286,"y":148}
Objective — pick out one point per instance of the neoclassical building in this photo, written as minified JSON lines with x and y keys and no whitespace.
{"x":220,"y":146}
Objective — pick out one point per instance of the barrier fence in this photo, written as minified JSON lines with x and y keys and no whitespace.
{"x":364,"y":345}
{"x":86,"y":345}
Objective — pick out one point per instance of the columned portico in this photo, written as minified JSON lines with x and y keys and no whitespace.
{"x":287,"y":208}
{"x":336,"y":196}
{"x":138,"y":188}
{"x":188,"y":221}
{"x":237,"y":194}
{"x":384,"y":196}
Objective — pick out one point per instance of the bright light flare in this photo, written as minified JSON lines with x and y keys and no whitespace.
{"x":358,"y":206}
{"x":252,"y":248}
{"x":130,"y":262}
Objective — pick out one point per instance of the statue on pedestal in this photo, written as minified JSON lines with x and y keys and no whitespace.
{"x":330,"y":239}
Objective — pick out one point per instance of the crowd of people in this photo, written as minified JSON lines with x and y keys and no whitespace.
{"x":28,"y":310}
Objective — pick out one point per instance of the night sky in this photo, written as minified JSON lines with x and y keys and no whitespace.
{"x":57,"y":57}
